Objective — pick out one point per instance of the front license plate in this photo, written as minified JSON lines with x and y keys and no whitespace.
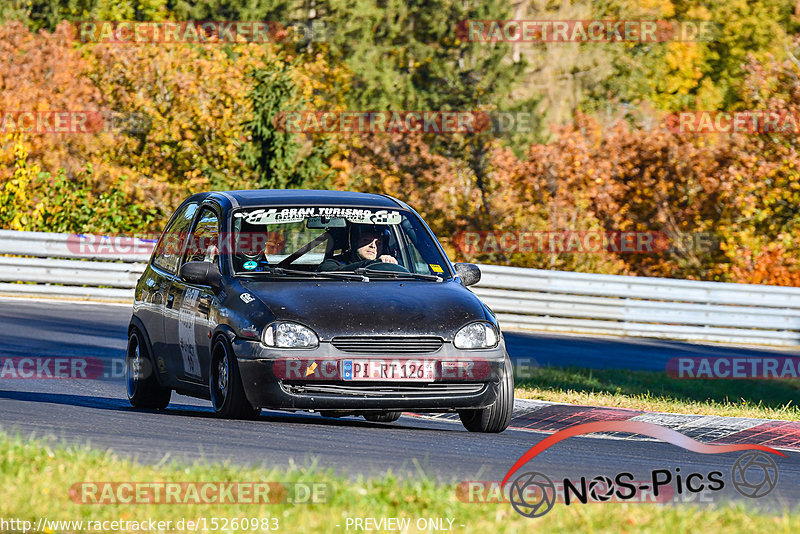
{"x":389,"y":370}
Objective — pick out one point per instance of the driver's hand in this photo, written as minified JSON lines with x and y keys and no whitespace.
{"x":387,"y":259}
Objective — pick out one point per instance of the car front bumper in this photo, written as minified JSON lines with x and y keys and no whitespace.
{"x":266,"y":384}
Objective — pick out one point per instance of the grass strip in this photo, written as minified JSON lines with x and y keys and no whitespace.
{"x":37,"y":476}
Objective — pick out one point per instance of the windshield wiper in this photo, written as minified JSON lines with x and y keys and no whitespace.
{"x":397,"y":274}
{"x":318,"y":274}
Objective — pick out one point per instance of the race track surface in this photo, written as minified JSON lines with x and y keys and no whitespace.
{"x":97,"y":411}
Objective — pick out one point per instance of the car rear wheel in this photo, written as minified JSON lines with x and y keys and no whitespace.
{"x":384,"y":417}
{"x":144,"y":391}
{"x":225,"y":384}
{"x":497,"y":417}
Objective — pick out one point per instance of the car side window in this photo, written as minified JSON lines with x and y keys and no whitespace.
{"x":204,"y":243}
{"x":170,"y":246}
{"x":419,"y":262}
{"x":412,"y":230}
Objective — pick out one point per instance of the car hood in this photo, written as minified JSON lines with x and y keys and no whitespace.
{"x":386,"y":307}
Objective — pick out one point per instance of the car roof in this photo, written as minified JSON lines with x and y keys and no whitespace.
{"x":288,"y":197}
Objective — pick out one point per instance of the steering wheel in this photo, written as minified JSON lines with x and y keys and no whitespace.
{"x":245,"y":257}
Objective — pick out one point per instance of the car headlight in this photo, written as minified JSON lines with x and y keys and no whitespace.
{"x":476,"y":336}
{"x":288,"y":335}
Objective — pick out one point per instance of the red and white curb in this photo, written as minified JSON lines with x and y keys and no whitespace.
{"x":550,"y":417}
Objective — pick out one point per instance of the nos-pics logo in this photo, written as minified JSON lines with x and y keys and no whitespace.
{"x":533,"y":494}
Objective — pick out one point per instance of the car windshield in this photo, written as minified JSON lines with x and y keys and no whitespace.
{"x":291,"y":241}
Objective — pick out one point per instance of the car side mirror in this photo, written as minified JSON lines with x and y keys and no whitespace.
{"x":469,"y":273}
{"x":204,"y":273}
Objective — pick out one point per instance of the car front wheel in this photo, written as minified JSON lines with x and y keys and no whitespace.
{"x":225,"y":384}
{"x":144,"y":391}
{"x":497,"y":417}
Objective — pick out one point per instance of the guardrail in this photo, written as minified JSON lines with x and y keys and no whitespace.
{"x":97,"y":268}
{"x":530,"y":299}
{"x":641,"y":306}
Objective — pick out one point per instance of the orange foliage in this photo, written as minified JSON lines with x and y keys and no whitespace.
{"x":45,"y":72}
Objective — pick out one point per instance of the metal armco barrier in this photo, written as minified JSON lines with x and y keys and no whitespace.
{"x":639,"y":306}
{"x":100,"y":268}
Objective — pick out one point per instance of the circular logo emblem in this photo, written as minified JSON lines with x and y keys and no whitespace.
{"x":601,"y":488}
{"x":532,"y":494}
{"x":250,"y":265}
{"x":755,"y":474}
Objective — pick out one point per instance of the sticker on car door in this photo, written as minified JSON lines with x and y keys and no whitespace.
{"x":186,"y":327}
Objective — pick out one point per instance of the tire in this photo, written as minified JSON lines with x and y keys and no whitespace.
{"x":384,"y":417}
{"x":144,"y":391}
{"x":497,"y":417}
{"x":225,"y":384}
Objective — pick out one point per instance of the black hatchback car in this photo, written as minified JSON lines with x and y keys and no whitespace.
{"x":336,"y":302}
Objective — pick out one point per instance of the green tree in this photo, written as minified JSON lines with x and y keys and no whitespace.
{"x":280,"y":159}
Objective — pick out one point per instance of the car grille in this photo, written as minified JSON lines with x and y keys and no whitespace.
{"x":387,"y":344}
{"x":385,"y":391}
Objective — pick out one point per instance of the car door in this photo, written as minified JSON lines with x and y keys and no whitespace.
{"x":190,"y":323}
{"x":166,"y":261}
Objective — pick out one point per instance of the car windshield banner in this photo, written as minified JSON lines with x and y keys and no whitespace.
{"x":292,"y":215}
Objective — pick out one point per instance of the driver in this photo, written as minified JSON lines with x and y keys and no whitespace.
{"x":366,"y":243}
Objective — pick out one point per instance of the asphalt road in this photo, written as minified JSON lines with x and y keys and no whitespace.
{"x":97,"y":411}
